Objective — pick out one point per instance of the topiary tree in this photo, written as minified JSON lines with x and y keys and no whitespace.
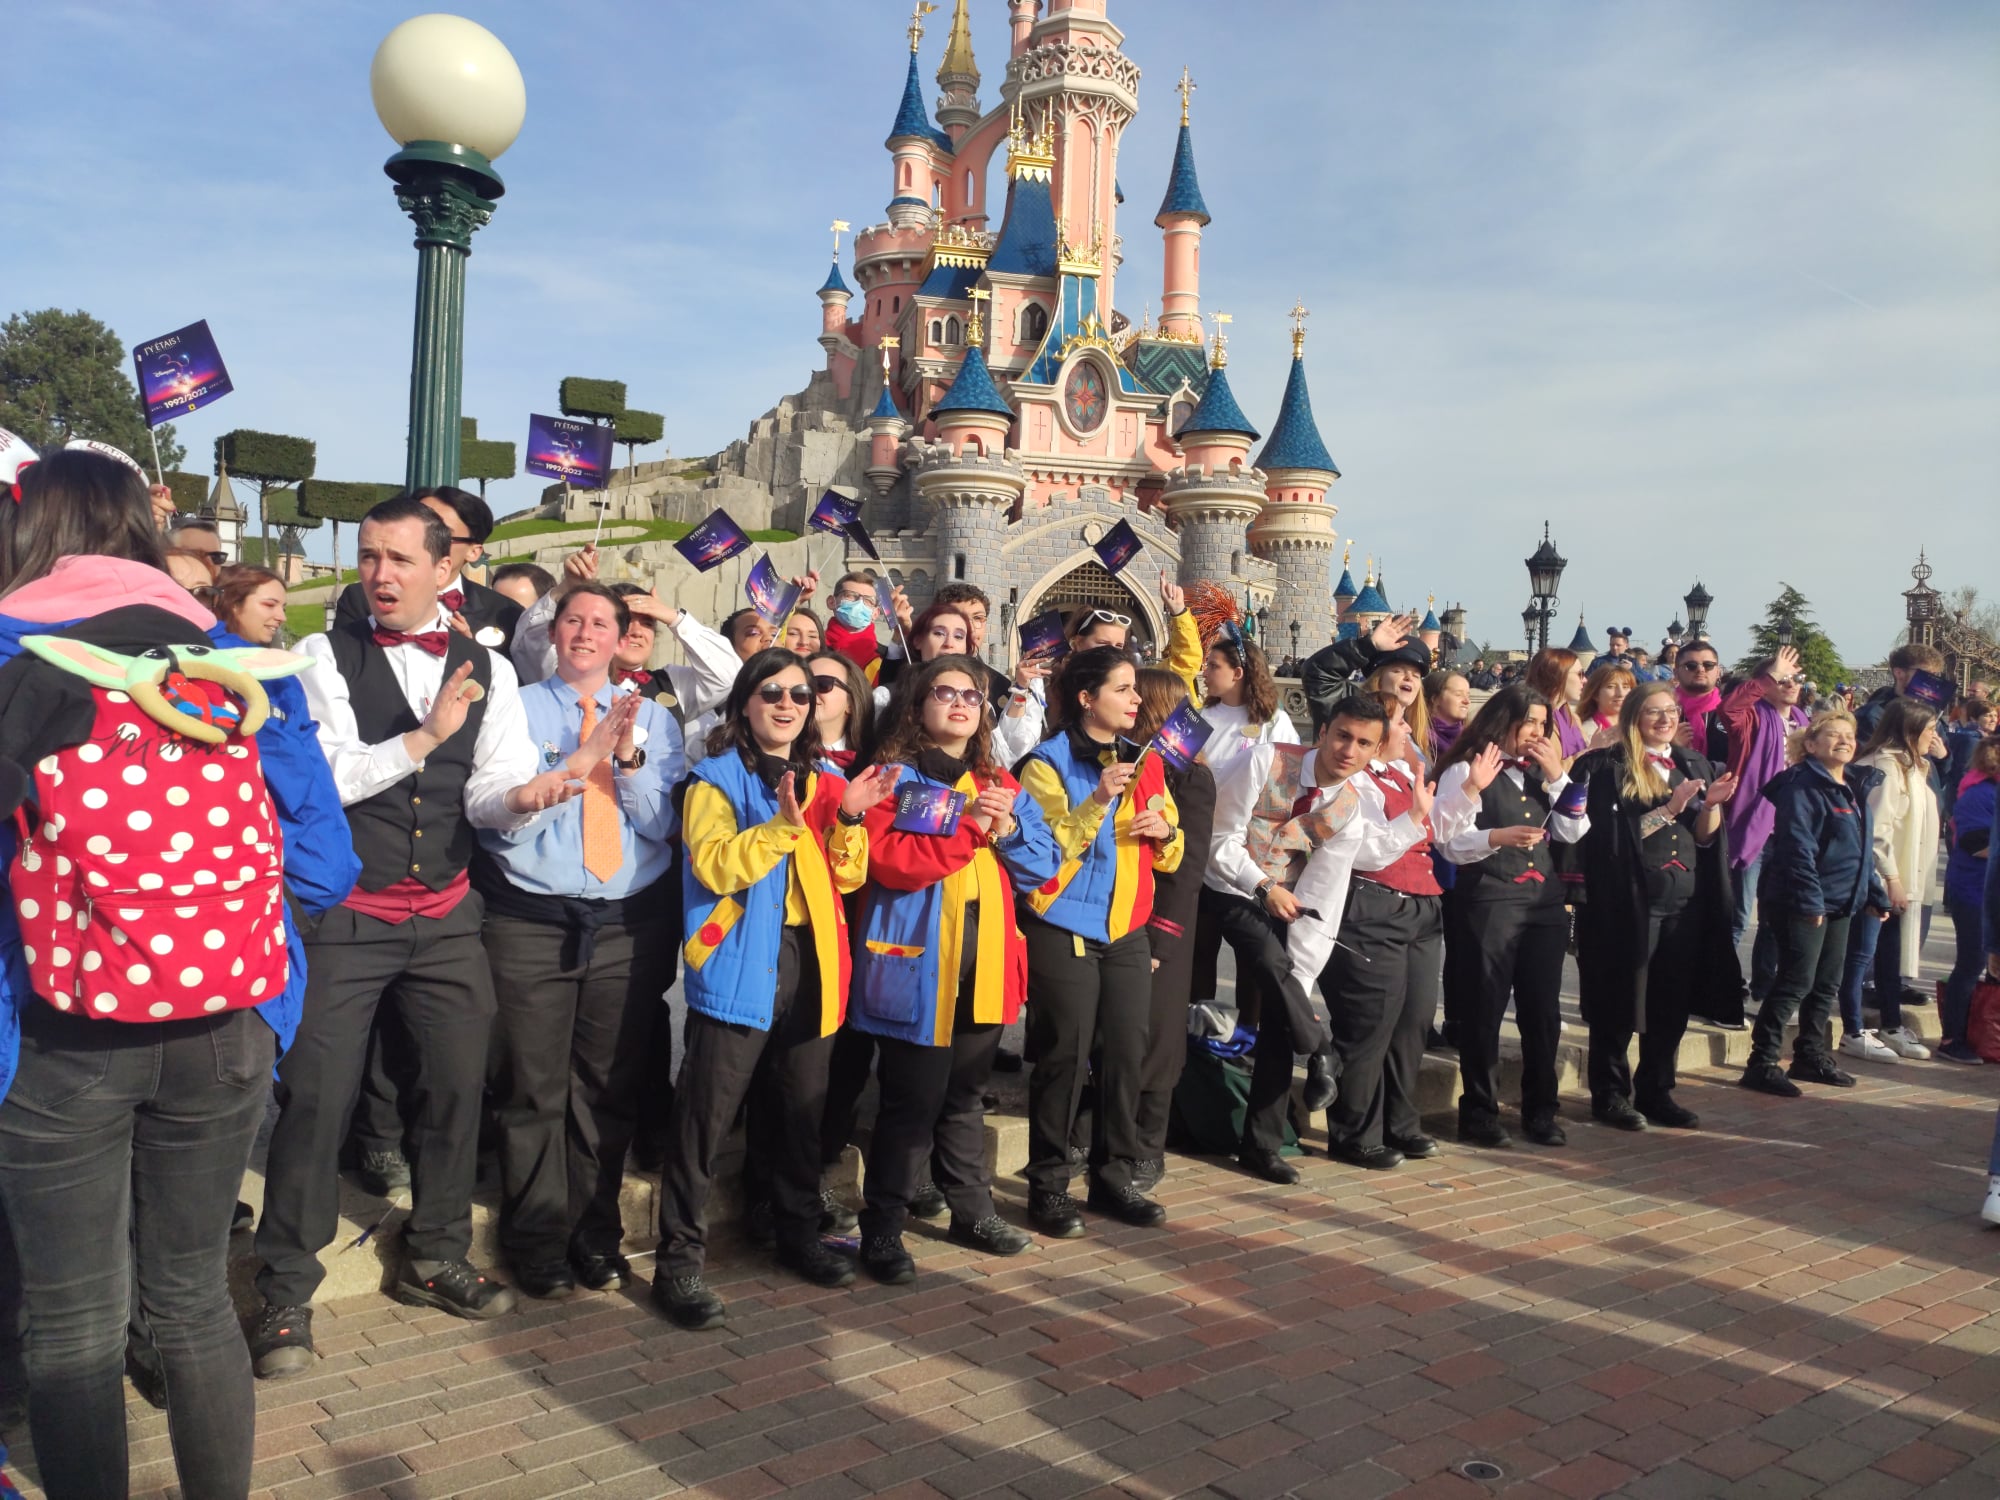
{"x":482,"y":458}
{"x":331,"y":500}
{"x":190,"y":491}
{"x":597,"y":400}
{"x":636,"y":430}
{"x":270,"y":460}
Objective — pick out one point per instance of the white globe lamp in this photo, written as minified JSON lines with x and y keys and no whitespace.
{"x":446,"y":79}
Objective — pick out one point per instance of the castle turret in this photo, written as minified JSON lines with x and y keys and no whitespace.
{"x":1581,"y":642}
{"x":969,"y":476}
{"x":886,"y":430}
{"x":1344,"y":592}
{"x":834,"y":295}
{"x":1215,"y":495}
{"x":958,"y":76}
{"x":1431,"y":631}
{"x":1295,"y":530}
{"x":1370,"y":607}
{"x":914,"y":145}
{"x":1021,"y":22}
{"x":1181,"y":217}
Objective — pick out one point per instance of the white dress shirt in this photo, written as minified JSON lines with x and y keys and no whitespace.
{"x":502,"y":759}
{"x":700,"y":685}
{"x":1235,"y":734}
{"x":1455,"y":819}
{"x":1369,"y":837}
{"x":1015,"y":737}
{"x":1370,"y":842}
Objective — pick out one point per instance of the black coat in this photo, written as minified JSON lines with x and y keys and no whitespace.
{"x":1611,"y":922}
{"x":1177,"y":894}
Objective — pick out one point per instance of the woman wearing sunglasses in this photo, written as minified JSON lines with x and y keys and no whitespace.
{"x":942,"y":965}
{"x":1089,"y":960}
{"x":772,"y":844}
{"x":843,"y":708}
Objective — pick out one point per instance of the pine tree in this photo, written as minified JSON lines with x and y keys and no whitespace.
{"x":1817,"y":656}
{"x":64,"y":375}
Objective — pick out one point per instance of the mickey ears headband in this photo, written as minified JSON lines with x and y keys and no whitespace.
{"x":16,"y":457}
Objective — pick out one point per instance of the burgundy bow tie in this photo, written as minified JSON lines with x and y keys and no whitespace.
{"x":1519,"y":763}
{"x":453,"y":601}
{"x":643,"y":678}
{"x":436,"y":642}
{"x":1665,"y":762}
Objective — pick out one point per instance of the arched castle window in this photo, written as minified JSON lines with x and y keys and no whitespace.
{"x":895,"y":304}
{"x":951,"y":330}
{"x":1034,"y":323}
{"x":937,"y":331}
{"x":937,"y":195}
{"x":971,"y":188}
{"x":906,"y":174}
{"x":1236,"y":565}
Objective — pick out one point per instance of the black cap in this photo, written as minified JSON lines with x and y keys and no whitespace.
{"x":1412,"y":653}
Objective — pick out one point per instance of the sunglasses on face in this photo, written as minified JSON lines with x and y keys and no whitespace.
{"x":1699,"y":666}
{"x":775,"y":693}
{"x":970,"y":697}
{"x":1785,"y":681}
{"x":828,"y":685}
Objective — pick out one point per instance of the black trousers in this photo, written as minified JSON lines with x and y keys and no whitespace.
{"x":1811,"y":960}
{"x":1082,"y":992}
{"x":781,"y":1075}
{"x":1261,"y":969}
{"x":433,"y":971}
{"x":567,"y":1071}
{"x":1512,"y":945}
{"x":846,"y":1081}
{"x":1166,"y":1057}
{"x":1457,"y":986}
{"x":1381,"y":988}
{"x":1670,"y":938}
{"x":378,"y":1113}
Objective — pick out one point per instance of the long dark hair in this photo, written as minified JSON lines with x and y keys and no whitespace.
{"x":1082,"y":672}
{"x":904,"y":737}
{"x":860,"y":728}
{"x":734,"y":730}
{"x":76,"y":502}
{"x":1260,"y":690}
{"x":1498,"y":717}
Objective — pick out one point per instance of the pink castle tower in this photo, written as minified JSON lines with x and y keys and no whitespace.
{"x":1295,"y":527}
{"x":835,"y":334}
{"x":886,"y":430}
{"x":1181,"y":218}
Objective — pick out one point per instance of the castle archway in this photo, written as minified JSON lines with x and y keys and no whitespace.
{"x":1083,"y":582}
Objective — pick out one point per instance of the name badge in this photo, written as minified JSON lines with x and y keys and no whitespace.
{"x":491,"y":636}
{"x":550,"y":754}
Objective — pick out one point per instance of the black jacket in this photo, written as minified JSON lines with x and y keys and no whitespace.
{"x":1333,"y":672}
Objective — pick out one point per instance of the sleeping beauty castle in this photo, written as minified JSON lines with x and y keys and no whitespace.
{"x":992,"y":406}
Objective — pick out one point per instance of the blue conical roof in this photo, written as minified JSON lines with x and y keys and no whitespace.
{"x":1295,"y":441}
{"x":910,"y":116}
{"x":974,"y":389}
{"x":1345,"y":589}
{"x":1027,"y":243}
{"x":833,"y":282}
{"x":1369,"y":601}
{"x":1581,"y":643}
{"x":885,"y":404}
{"x":1183,"y":191}
{"x":1430,"y":622}
{"x":1218,"y":411}
{"x":1349,"y":630}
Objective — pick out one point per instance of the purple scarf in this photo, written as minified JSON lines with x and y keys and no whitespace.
{"x":1748,"y":816}
{"x":1444,"y":734}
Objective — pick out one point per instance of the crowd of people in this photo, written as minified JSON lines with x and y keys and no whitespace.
{"x":436,"y":869}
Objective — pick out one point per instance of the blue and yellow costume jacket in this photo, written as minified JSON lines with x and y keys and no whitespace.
{"x":1104,"y":889}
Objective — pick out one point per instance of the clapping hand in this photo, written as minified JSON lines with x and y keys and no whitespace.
{"x":788,"y":800}
{"x":545,"y":791}
{"x":1722,"y":789}
{"x":869,"y":788}
{"x":613,"y":732}
{"x":1685,"y":793}
{"x":1482,"y":768}
{"x":993,"y":807}
{"x":1423,"y":797}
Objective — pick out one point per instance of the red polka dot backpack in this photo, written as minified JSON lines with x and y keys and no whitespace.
{"x":148,"y":882}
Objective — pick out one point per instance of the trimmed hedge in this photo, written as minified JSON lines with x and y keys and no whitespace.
{"x":599,"y":400}
{"x":332,"y":500}
{"x":190,"y":491}
{"x":268,"y":457}
{"x":640,"y":427}
{"x":468,"y":429}
{"x":281,"y":508}
{"x":485,"y":458}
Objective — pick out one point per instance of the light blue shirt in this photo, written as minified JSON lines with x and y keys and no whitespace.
{"x":546,"y":857}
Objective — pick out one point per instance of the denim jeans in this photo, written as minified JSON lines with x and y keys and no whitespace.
{"x":1812,"y":957}
{"x":1863,"y":937}
{"x":1993,"y":1157}
{"x":1764,"y":948}
{"x":119,"y":1138}
{"x":1968,"y":962}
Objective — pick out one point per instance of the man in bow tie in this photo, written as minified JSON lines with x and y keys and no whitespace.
{"x":424,"y":730}
{"x":470,"y":608}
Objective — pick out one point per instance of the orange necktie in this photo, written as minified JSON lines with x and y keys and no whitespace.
{"x":603,"y":851}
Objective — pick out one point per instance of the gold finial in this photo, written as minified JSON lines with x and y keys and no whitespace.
{"x":1371,"y":572}
{"x":1300,"y":313}
{"x":840,"y":227}
{"x":958,"y":48}
{"x":917,"y":13}
{"x":1220,"y":356}
{"x":890,"y":344}
{"x":975,"y":323}
{"x":1186,"y":86}
{"x":1347,"y":554}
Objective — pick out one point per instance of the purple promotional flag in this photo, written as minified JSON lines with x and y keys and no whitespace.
{"x":1043,"y":636}
{"x":1182,"y":735}
{"x":1118,"y":547}
{"x":928,"y":809}
{"x":1575,"y":797}
{"x":1931,"y":690}
{"x":834,"y":513}
{"x":771,"y":596}
{"x":180,"y":373}
{"x":578,"y":453}
{"x":713,"y":542}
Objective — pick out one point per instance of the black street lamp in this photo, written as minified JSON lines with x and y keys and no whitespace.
{"x":1785,"y":631}
{"x":1531,"y":621}
{"x":1295,"y":643}
{"x":1676,"y":630}
{"x":451,"y":96}
{"x":1697,"y":600}
{"x":1545,"y":571}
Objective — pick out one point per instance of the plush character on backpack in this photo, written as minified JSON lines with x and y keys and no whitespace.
{"x":148,"y":882}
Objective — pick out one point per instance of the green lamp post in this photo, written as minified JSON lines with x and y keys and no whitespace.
{"x":451,"y":96}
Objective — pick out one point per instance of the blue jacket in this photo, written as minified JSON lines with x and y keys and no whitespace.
{"x":320,"y":863}
{"x":1103,"y":889}
{"x":1821,"y":857}
{"x":1971,"y":831}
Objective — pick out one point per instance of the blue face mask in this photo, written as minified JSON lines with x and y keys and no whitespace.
{"x":854,"y":613}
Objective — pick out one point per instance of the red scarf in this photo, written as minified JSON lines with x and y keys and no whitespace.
{"x":858,"y":646}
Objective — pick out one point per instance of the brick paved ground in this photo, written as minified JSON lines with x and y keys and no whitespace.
{"x":1793,"y":1302}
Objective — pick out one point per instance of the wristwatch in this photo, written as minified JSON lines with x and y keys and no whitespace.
{"x":638,"y":759}
{"x":1263,"y":890}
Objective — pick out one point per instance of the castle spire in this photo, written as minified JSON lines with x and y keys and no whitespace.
{"x":1295,"y":441}
{"x":958,"y":49}
{"x":1180,"y":219}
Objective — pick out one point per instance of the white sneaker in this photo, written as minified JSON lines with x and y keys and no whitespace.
{"x":1903,"y":1042}
{"x":1991,"y":1212}
{"x":1863,"y":1044}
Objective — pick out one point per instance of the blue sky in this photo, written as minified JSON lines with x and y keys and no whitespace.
{"x":1712,"y":287}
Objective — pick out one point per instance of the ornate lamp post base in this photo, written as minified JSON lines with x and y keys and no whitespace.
{"x":448,"y":192}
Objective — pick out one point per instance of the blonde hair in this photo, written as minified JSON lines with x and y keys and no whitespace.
{"x":1641,"y":782}
{"x":1416,"y":716}
{"x":1826,"y":718}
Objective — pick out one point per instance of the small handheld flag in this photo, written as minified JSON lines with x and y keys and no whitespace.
{"x":577,"y":453}
{"x":770,"y":595}
{"x":1181,"y":735}
{"x":1043,"y":637}
{"x":1117,"y":547}
{"x":713,"y":541}
{"x":928,"y":809}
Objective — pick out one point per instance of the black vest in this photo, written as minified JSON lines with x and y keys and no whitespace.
{"x":1504,"y":805}
{"x":416,"y":829}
